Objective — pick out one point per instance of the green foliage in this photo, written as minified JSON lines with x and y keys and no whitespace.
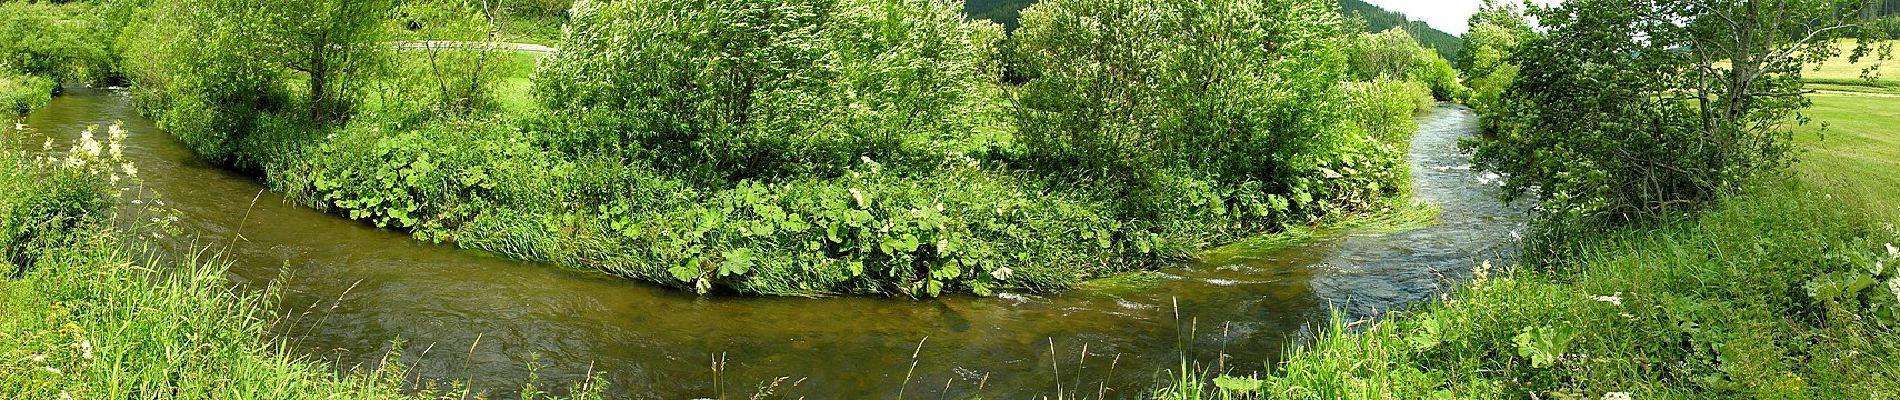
{"x":23,"y":93}
{"x":65,"y":42}
{"x":97,"y":310}
{"x":1741,"y":302}
{"x":732,"y":90}
{"x":1604,"y":125}
{"x":41,"y":208}
{"x":448,"y":80}
{"x":1394,"y":54}
{"x":794,"y":147}
{"x":1178,"y":113}
{"x":1385,"y":108}
{"x":213,"y":72}
{"x":1497,"y":30}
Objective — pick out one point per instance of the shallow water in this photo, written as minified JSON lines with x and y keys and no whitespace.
{"x":350,"y":289}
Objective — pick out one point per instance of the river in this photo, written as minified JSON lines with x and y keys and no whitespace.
{"x":351,"y":290}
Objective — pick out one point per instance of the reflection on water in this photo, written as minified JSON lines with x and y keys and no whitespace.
{"x":350,"y":289}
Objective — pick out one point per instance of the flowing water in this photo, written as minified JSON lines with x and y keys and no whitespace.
{"x":351,"y":290}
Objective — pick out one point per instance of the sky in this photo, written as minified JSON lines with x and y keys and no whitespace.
{"x":1446,"y":15}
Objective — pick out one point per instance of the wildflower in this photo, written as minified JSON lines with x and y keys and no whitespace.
{"x":87,"y":144}
{"x":55,"y":371}
{"x":37,"y":357}
{"x":1893,"y":252}
{"x":1617,"y":396}
{"x":858,"y":197}
{"x":1002,"y":274}
{"x":131,"y":171}
{"x":85,"y":349}
{"x":115,"y":150}
{"x":1617,"y":299}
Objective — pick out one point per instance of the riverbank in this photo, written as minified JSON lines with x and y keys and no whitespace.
{"x":21,"y":93}
{"x":91,"y":307}
{"x":1785,"y":291}
{"x":948,"y":212}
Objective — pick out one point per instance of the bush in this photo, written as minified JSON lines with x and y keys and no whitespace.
{"x":1161,"y":105}
{"x":731,"y":90}
{"x":40,"y":207}
{"x":64,"y":42}
{"x":1497,"y":30}
{"x":24,"y":93}
{"x":1603,"y":124}
{"x":213,"y":71}
{"x":1395,"y":54}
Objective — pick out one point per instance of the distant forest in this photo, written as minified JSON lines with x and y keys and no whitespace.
{"x":1377,"y":19}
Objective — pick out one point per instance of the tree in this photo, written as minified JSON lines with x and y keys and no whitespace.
{"x":212,"y":71}
{"x":1185,"y":110}
{"x":329,"y":41}
{"x":1496,"y":32}
{"x":1394,"y":54}
{"x":1627,"y":108}
{"x":729,"y":90}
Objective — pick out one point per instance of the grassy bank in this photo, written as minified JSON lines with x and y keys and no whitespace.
{"x":1785,"y":291}
{"x":90,"y":308}
{"x":20,"y":93}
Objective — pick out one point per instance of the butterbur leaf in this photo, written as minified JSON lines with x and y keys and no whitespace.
{"x":736,"y":262}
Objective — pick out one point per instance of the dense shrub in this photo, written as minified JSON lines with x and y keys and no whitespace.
{"x":1395,"y":54}
{"x":64,"y":42}
{"x":1497,"y":30}
{"x":1234,"y":102}
{"x":733,"y":90}
{"x":212,"y":71}
{"x":1602,"y":124}
{"x":23,"y":93}
{"x":40,"y":206}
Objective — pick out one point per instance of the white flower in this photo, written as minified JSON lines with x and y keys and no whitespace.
{"x":37,"y":357}
{"x":131,"y":171}
{"x":85,"y":348}
{"x":1617,"y":299}
{"x":1617,"y":396}
{"x":87,"y":144}
{"x":858,"y":197}
{"x":1002,"y":274}
{"x":1893,"y":252}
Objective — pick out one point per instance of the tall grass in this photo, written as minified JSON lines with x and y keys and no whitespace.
{"x":1787,"y":290}
{"x":89,"y":308}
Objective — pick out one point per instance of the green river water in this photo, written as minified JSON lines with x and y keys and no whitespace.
{"x":350,"y":290}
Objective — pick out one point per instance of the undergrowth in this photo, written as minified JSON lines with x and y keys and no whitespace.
{"x":93,"y":306}
{"x":1778,"y":293}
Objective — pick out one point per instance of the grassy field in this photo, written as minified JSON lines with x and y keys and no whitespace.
{"x":1785,"y":291}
